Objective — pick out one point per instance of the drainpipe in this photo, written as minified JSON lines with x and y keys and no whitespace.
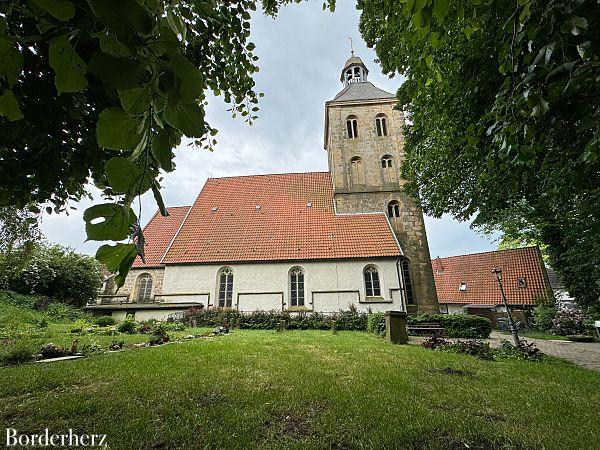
{"x":401,"y":285}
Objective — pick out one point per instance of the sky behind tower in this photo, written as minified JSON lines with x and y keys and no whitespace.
{"x":301,"y":53}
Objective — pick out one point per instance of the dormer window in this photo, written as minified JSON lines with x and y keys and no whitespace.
{"x":381,"y":125}
{"x":352,"y":127}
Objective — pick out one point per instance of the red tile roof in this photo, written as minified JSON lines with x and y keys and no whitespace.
{"x":268,"y":218}
{"x":482,"y":287}
{"x":159,"y":233}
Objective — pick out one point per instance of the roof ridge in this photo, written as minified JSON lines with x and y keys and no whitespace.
{"x":270,"y":175}
{"x":486,"y":252}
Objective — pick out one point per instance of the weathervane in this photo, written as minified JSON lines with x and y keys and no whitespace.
{"x":351,"y":45}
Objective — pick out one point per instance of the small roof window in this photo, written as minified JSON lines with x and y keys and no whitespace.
{"x":463,"y":287}
{"x":309,"y":205}
{"x":521,"y":283}
{"x":257,"y":207}
{"x":215,"y":208}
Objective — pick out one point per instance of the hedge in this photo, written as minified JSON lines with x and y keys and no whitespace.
{"x":458,"y":325}
{"x":376,"y":323}
{"x":269,"y":320}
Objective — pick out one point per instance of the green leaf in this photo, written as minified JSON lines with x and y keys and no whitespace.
{"x":9,"y":106}
{"x":190,"y":78}
{"x":440,"y":9}
{"x":126,"y":177}
{"x":135,"y":100}
{"x":61,"y":9}
{"x":117,"y":130}
{"x":121,"y":73}
{"x":574,"y":25}
{"x":108,"y":222}
{"x":69,"y":68}
{"x":159,"y":200}
{"x":12,"y":61}
{"x":187,"y":118}
{"x":176,"y":24}
{"x":122,"y":16}
{"x":110,"y":44}
{"x":162,"y":150}
{"x":117,"y":258}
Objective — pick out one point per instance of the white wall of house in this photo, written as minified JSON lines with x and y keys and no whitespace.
{"x":329,"y":285}
{"x":146,"y":314}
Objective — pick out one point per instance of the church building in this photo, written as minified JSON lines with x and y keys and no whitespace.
{"x":298,"y":242}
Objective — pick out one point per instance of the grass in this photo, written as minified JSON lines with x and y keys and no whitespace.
{"x":305,"y":389}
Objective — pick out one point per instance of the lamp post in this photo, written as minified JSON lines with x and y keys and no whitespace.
{"x":511,"y":323}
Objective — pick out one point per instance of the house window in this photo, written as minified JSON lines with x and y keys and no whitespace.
{"x":408,"y":290}
{"x":381,"y":124}
{"x":372,"y":286}
{"x":225,"y":288}
{"x":144,"y":288}
{"x":462,"y":287}
{"x":386,"y":161}
{"x":352,"y":127}
{"x":521,"y":283}
{"x":297,"y":287}
{"x":393,"y":209}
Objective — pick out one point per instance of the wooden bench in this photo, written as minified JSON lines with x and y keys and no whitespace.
{"x":426,"y":328}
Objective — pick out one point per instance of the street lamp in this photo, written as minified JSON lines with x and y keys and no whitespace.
{"x":511,"y":323}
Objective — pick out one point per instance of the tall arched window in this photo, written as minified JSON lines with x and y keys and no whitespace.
{"x":381,"y":124}
{"x":352,"y":127}
{"x":408,"y":290}
{"x":372,"y":287}
{"x":386,"y":161}
{"x":296,"y":287}
{"x":393,"y":209}
{"x":356,"y":170}
{"x":144,"y":288}
{"x":225,"y":288}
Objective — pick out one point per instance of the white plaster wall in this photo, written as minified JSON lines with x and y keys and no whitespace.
{"x":258,"y":283}
{"x":146,"y":314}
{"x":456,"y":309}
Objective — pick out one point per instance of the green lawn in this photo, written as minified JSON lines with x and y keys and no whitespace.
{"x":305,"y":389}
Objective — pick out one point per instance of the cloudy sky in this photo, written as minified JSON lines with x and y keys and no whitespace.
{"x":301,"y":53}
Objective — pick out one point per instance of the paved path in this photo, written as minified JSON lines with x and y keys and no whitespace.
{"x":586,"y":354}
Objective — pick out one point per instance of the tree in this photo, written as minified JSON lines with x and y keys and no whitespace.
{"x":503,"y":101}
{"x":18,"y":228}
{"x":103,"y":90}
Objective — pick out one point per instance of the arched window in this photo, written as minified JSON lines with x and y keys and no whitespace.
{"x":372,"y":287}
{"x":225,"y":288}
{"x":352,"y":127}
{"x":381,"y":124}
{"x":408,"y":290}
{"x":144,"y":288}
{"x":356,"y":170}
{"x":296,"y":287}
{"x":393,"y":209}
{"x":386,"y":161}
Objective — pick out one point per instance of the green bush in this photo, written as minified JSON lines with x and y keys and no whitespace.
{"x":129,"y":325}
{"x":376,"y":323}
{"x":269,"y":320}
{"x":104,"y":321}
{"x":542,"y":317}
{"x":458,"y":325}
{"x":16,"y":354}
{"x":173,"y":326}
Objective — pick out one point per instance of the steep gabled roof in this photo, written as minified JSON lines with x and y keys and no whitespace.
{"x":482,"y":288}
{"x":276,"y":217}
{"x":159,"y":233}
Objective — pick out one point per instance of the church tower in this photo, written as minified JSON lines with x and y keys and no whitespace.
{"x":365,"y":147}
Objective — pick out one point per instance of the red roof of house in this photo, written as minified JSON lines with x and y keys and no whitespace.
{"x":276,"y":217}
{"x":482,"y":287}
{"x":159,"y":233}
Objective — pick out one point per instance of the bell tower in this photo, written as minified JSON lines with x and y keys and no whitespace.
{"x":365,"y":148}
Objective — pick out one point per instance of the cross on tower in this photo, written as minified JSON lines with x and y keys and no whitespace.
{"x":351,"y":45}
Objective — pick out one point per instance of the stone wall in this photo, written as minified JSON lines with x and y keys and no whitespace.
{"x":130,"y":286}
{"x":378,"y":185}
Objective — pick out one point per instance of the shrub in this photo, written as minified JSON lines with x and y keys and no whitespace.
{"x":542,"y":317}
{"x":60,"y":311}
{"x":80,"y":326}
{"x":128,"y":325}
{"x":471,"y":347}
{"x":51,"y":350}
{"x":159,"y":336}
{"x":376,"y":323}
{"x":434,"y":343}
{"x":524,"y":350}
{"x":90,"y":348}
{"x":104,"y":321}
{"x":116,"y":345}
{"x":568,"y":321}
{"x":16,"y":354}
{"x":173,"y":326}
{"x":458,"y":325}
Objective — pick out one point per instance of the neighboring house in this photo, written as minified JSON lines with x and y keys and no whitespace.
{"x":465,"y":283}
{"x":317,"y":241}
{"x":562,"y":296}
